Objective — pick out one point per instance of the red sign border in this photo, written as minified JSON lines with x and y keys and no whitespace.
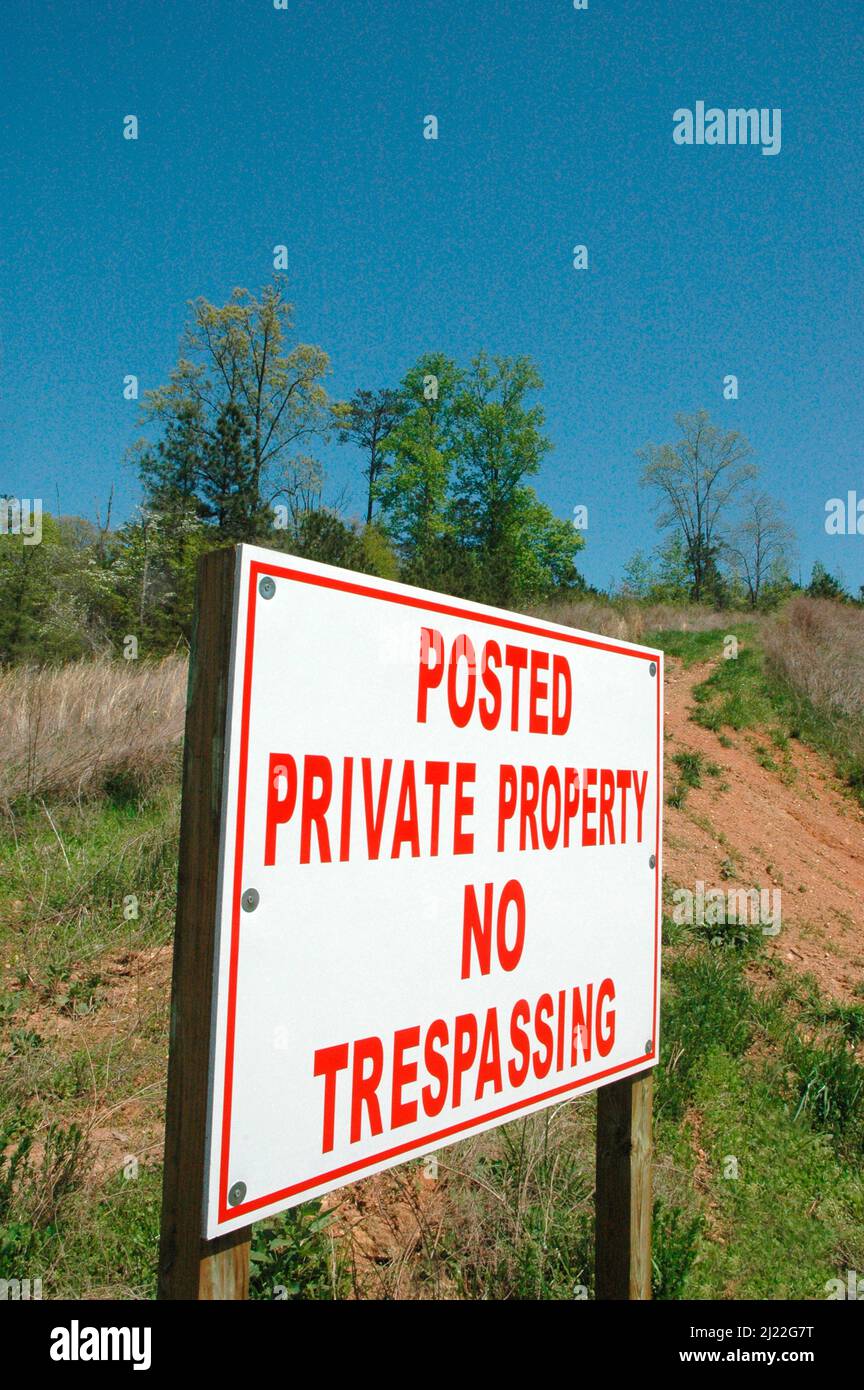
{"x":427,"y":1141}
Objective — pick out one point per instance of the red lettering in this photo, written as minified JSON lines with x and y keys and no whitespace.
{"x":490,"y":665}
{"x":463,"y":840}
{"x":437,"y":776}
{"x":605,"y":1035}
{"x":561,"y":712}
{"x":314,"y":807}
{"x":519,"y":1038}
{"x":431,"y":643}
{"x":463,"y":649}
{"x":589,"y":804}
{"x":582,"y":1019}
{"x":550,"y":831}
{"x":538,"y":723}
{"x":364,"y":1089}
{"x":571,"y":800}
{"x":407,"y":828}
{"x":403,"y":1112}
{"x":489,"y":1069}
{"x":508,"y":787}
{"x":329,"y":1061}
{"x":640,"y":801}
{"x":530,"y":798}
{"x":543,"y":1032}
{"x":607,"y":796}
{"x":464,"y":1051}
{"x":436,"y":1066}
{"x":623,"y":780}
{"x":279,"y":809}
{"x":375,"y":824}
{"x":517,"y":659}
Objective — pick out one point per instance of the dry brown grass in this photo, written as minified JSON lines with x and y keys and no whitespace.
{"x":76,"y":729}
{"x":817,"y":646}
{"x":631,"y":622}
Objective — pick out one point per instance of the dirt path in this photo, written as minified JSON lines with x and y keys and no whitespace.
{"x":752,"y":827}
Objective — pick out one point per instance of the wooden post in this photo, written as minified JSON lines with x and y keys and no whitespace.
{"x":189,"y":1266}
{"x":622,"y":1245}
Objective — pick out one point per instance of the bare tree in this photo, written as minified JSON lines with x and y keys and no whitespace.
{"x":759,"y":541}
{"x":697,"y":478}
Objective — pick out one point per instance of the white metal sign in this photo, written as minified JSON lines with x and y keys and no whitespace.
{"x":440,"y":877}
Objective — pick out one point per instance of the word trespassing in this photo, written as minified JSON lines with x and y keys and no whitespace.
{"x":422,"y":1070}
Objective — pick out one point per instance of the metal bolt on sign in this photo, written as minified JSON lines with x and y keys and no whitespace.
{"x":250,"y":900}
{"x":652,"y":862}
{"x":236,"y":1194}
{"x":652,"y":669}
{"x":267,"y":587}
{"x":649,"y":1047}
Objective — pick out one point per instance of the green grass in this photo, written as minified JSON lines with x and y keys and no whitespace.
{"x":741,"y":694}
{"x":787,"y":1215}
{"x":735,"y":695}
{"x":688,"y":647}
{"x":766,"y":1082}
{"x":692,"y":767}
{"x":76,"y":881}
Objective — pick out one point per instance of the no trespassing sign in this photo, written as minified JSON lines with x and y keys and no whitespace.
{"x":439,"y":877}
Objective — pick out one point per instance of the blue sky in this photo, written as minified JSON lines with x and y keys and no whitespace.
{"x":304,"y":127}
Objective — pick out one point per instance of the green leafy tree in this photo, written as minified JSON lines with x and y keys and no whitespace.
{"x":228,"y":484}
{"x":54,"y":595}
{"x":412,"y":486}
{"x":521,"y":550}
{"x":152,"y":563}
{"x":824,"y":585}
{"x":638,"y":577}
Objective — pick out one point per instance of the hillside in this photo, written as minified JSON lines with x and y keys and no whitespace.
{"x":772,"y":817}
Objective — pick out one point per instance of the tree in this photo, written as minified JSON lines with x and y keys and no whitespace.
{"x":638,"y":577}
{"x":760,"y":543}
{"x":522,"y":551}
{"x":697,"y":477}
{"x":171,"y":472}
{"x":322,"y":535}
{"x":235,"y":362}
{"x":53,"y":595}
{"x":419,"y":451}
{"x":228,"y":484}
{"x":824,"y":585}
{"x":367,"y":419}
{"x":453,"y":494}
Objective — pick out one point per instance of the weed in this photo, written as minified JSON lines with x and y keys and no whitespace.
{"x":294,"y":1256}
{"x":675,"y":1245}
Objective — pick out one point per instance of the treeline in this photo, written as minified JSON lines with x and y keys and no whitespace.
{"x":446,"y":458}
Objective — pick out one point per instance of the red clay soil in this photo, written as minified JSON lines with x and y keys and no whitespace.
{"x":794,"y":828}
